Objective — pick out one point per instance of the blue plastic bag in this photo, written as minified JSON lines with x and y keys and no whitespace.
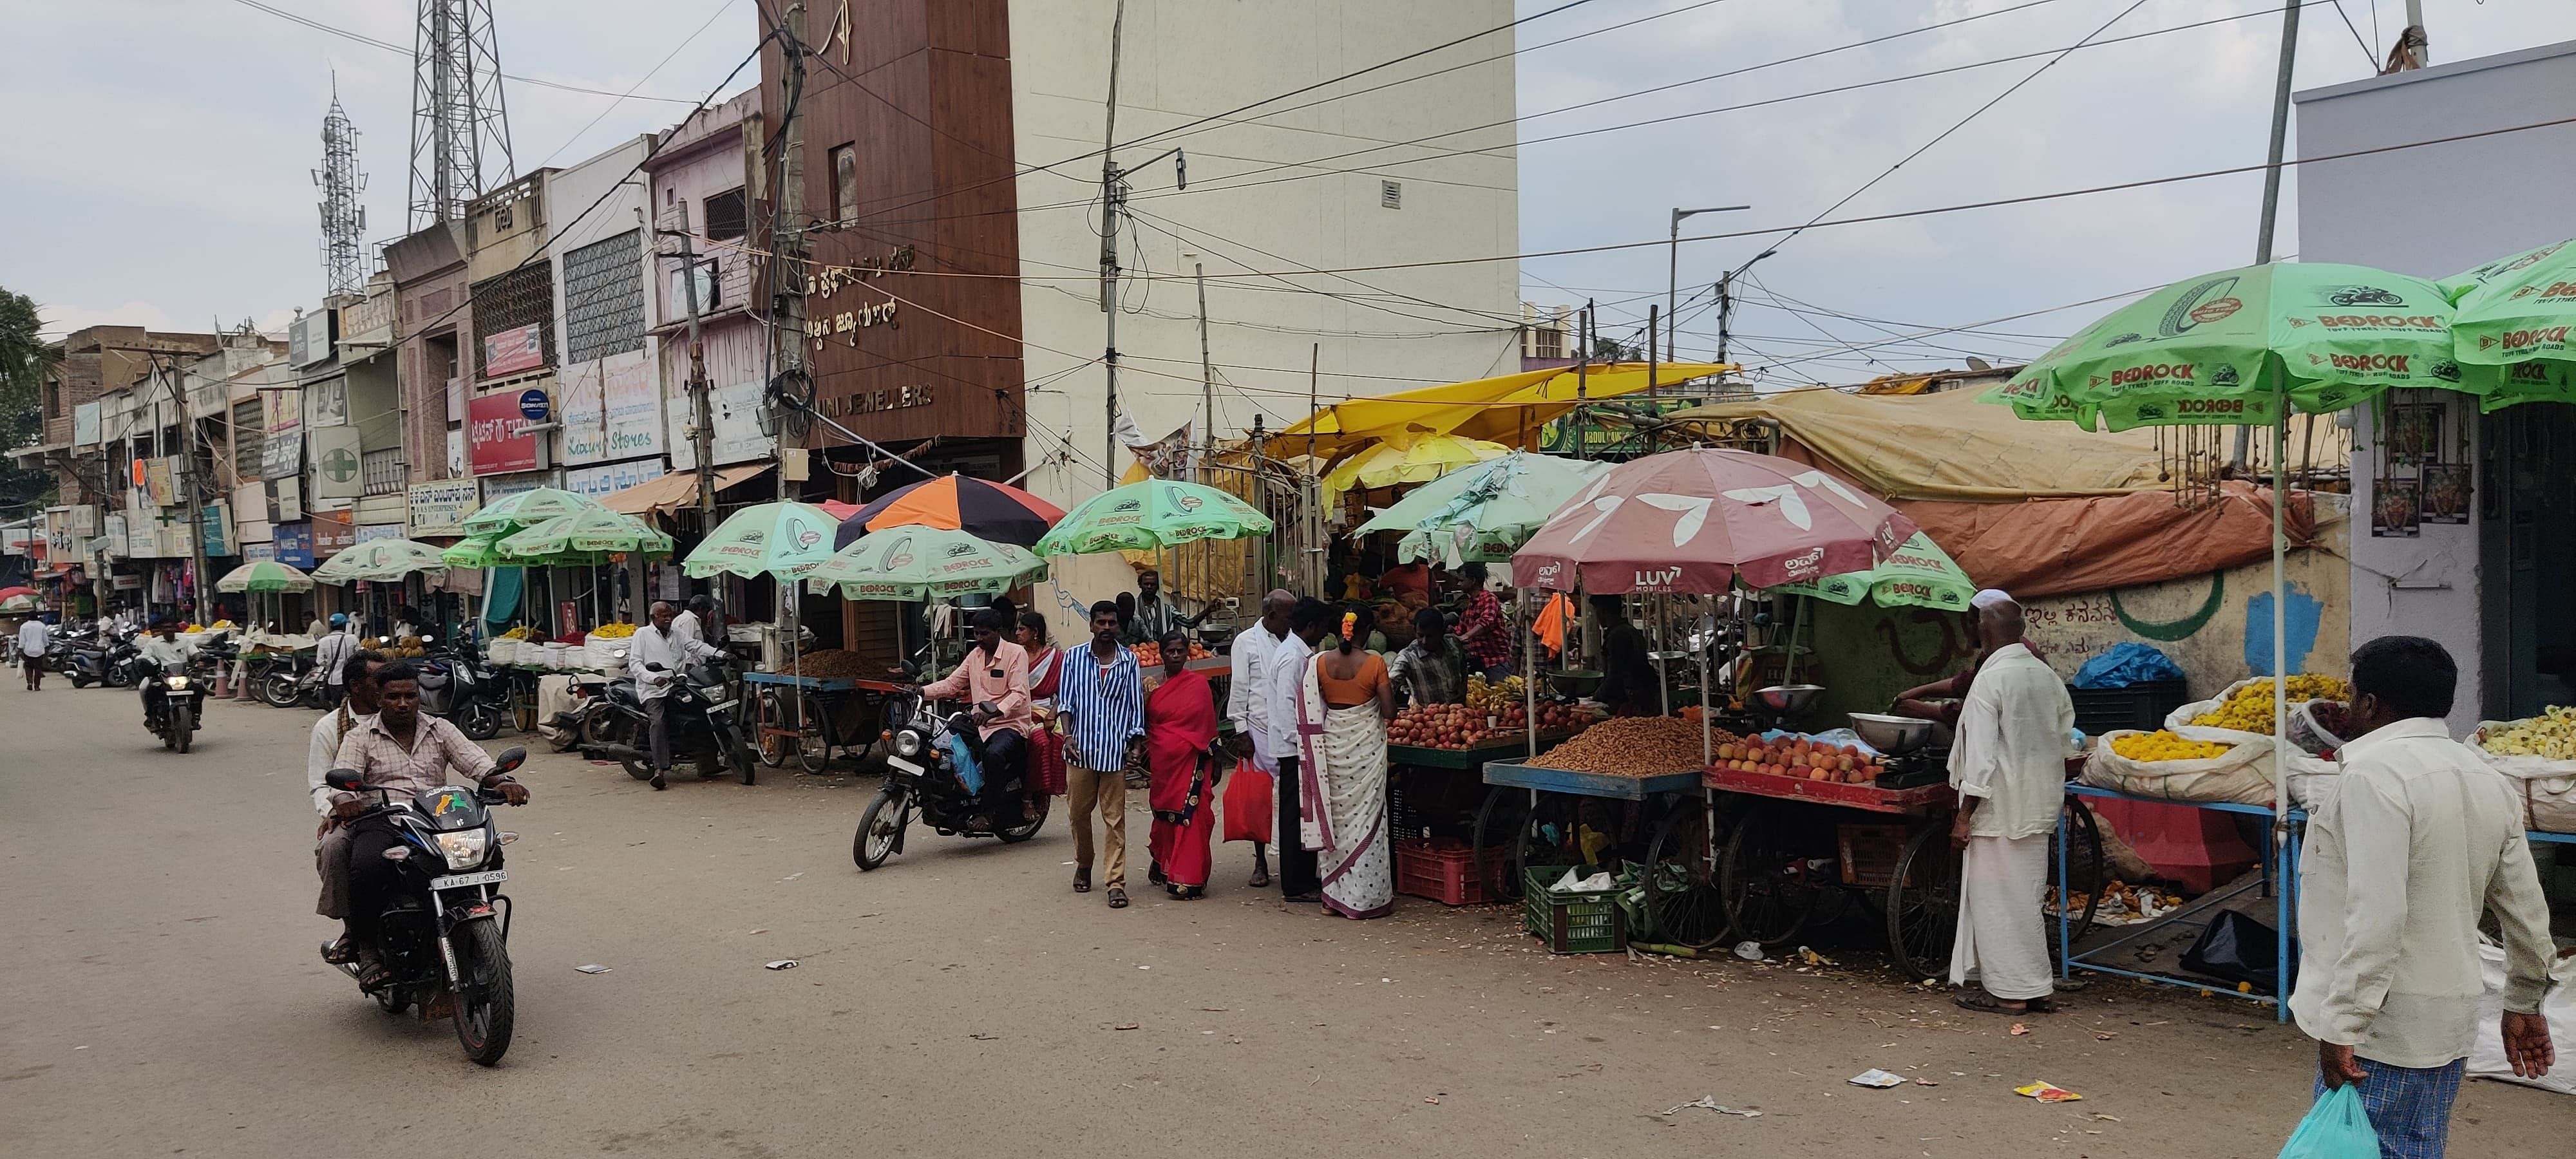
{"x":2124,"y":664}
{"x":2336,"y":1128}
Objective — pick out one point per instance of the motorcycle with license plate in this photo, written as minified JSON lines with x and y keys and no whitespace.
{"x":173,"y":701}
{"x":445,"y":929}
{"x":704,"y":717}
{"x":926,"y":753}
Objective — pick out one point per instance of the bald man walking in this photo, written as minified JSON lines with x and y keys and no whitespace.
{"x":1247,"y":699}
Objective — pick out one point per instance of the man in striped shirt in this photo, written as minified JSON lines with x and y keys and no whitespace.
{"x":1100,"y":698}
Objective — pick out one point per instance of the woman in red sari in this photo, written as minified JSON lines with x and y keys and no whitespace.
{"x":1180,"y":726}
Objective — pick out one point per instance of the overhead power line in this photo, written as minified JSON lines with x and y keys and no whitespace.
{"x":389,"y":46}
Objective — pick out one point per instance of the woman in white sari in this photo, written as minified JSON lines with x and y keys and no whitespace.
{"x":1341,"y":739}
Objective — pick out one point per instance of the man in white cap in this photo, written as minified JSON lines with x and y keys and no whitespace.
{"x":1939,"y":701}
{"x":2008,"y":763}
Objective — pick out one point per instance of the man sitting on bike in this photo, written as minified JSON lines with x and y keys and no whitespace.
{"x":408,"y":752}
{"x":163,"y":651}
{"x":995,"y":677}
{"x":331,"y":849}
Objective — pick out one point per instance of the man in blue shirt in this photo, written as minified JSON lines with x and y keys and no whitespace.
{"x":1100,"y":698}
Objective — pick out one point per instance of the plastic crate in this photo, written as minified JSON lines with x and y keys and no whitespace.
{"x":2139,"y":706}
{"x":1446,"y":870}
{"x":1571,"y":923}
{"x":1869,"y":853}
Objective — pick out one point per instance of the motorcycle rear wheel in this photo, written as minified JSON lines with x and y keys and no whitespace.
{"x":878,"y":829}
{"x":479,"y":720}
{"x":117,"y":678}
{"x":1027,"y":829}
{"x":485,"y":1007}
{"x":79,"y":681}
{"x":279,"y":689}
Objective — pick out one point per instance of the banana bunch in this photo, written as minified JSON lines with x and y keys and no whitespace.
{"x":1496,"y":695}
{"x":2552,"y":735}
{"x":2249,"y":709}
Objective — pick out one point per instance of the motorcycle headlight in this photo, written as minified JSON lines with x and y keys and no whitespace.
{"x":176,"y":682}
{"x":907,"y":743}
{"x":464,"y":848}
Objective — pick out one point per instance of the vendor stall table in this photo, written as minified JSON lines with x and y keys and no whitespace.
{"x":1539,"y":816}
{"x":2279,"y":879}
{"x":807,"y":717}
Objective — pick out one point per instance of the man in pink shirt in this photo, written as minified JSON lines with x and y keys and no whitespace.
{"x":994,"y":679}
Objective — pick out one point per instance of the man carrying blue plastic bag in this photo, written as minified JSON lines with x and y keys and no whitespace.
{"x":2418,"y":839}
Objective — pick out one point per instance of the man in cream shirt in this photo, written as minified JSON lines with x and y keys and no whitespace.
{"x":2009,"y":765}
{"x":2419,"y":838}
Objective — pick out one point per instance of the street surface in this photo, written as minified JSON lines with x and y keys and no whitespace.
{"x":163,"y":997}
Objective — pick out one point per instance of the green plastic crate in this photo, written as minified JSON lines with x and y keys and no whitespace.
{"x":1571,"y":923}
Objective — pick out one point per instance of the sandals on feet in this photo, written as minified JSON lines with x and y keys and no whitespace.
{"x":374,"y":976}
{"x":1082,"y":881}
{"x":1117,"y":898}
{"x":1979,"y":1000}
{"x":339,"y":952}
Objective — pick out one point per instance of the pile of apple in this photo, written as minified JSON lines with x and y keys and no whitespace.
{"x":1802,"y":758}
{"x":1457,"y":726}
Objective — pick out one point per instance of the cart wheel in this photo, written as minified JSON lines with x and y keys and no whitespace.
{"x":2086,"y":872}
{"x":1500,"y":824}
{"x":767,"y":718}
{"x":1682,"y":897}
{"x":1923,"y":904}
{"x":1762,"y":881}
{"x":813,"y":739}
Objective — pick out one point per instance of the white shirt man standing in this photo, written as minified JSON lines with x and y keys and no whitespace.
{"x":2419,"y":839}
{"x":2009,"y":765}
{"x":1247,"y":700}
{"x":331,"y":654}
{"x":656,"y":658}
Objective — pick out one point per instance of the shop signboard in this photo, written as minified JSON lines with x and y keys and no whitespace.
{"x":285,"y":500}
{"x":158,"y":484}
{"x":214,"y":522}
{"x":611,"y":478}
{"x":336,"y":473}
{"x":294,"y":544}
{"x":333,"y":533}
{"x":440,"y":508}
{"x":282,"y":454}
{"x":259,"y":552}
{"x":513,"y":350}
{"x":370,"y":532}
{"x":85,"y":421}
{"x":308,"y":338}
{"x":610,"y":409}
{"x":111,"y":531}
{"x":493,"y":428}
{"x":495,"y":490}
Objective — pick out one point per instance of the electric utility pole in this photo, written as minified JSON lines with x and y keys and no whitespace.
{"x":787,"y":235}
{"x":2272,"y":176}
{"x":698,"y":388}
{"x":1207,"y":369}
{"x":1113,"y":206}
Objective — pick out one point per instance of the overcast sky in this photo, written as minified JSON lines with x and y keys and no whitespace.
{"x":158,"y":168}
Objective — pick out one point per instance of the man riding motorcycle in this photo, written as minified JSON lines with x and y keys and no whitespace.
{"x":164,"y":651}
{"x":656,"y":656}
{"x":995,"y":676}
{"x":408,"y":751}
{"x":331,"y":851}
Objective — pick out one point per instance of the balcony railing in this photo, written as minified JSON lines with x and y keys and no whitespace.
{"x":382,"y":471}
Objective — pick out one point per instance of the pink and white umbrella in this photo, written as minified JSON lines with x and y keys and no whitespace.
{"x":1693,"y":521}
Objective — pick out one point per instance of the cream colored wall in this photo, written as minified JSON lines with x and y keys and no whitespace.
{"x":1183,"y":59}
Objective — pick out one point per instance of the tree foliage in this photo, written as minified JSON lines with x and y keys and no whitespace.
{"x":25,"y":361}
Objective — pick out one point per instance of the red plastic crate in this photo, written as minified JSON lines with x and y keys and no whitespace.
{"x":1445,"y":870}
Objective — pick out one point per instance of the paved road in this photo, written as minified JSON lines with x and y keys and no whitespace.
{"x":160,"y":995}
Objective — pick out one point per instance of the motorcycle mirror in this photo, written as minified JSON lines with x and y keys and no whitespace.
{"x":345,"y":780}
{"x":652,"y":667}
{"x":510,"y":759}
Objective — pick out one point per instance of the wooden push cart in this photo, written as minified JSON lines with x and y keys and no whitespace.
{"x":1798,"y":852}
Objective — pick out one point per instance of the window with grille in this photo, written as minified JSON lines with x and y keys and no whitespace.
{"x":249,"y":438}
{"x":1390,"y":194}
{"x":604,"y":298}
{"x":728,"y":216}
{"x":513,"y":301}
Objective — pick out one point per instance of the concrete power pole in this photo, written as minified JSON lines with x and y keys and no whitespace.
{"x":699,"y":391}
{"x":787,"y":231}
{"x":1110,"y":201}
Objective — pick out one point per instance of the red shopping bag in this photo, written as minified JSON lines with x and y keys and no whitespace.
{"x":1248,"y":814}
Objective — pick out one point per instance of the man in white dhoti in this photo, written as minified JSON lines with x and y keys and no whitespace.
{"x":2009,"y":766}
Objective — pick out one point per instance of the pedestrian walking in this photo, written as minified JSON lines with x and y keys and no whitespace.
{"x":1100,"y":697}
{"x":1299,"y":880}
{"x":2420,"y":837}
{"x":2009,"y":766}
{"x":1180,"y":730}
{"x":1247,"y":703}
{"x":1341,"y":764}
{"x":34,"y":637}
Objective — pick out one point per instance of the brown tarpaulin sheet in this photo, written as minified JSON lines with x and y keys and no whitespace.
{"x":1950,"y":446}
{"x":674,"y":491}
{"x":2055,"y":546}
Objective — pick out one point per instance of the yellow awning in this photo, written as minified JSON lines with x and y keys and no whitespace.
{"x":1509,"y":409}
{"x":674,"y":491}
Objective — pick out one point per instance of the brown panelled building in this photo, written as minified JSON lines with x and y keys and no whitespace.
{"x":914,"y":309}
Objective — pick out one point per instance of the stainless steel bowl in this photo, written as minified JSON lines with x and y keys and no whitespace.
{"x":1789,"y":699}
{"x":1892,"y":735}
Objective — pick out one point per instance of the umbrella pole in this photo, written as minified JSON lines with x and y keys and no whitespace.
{"x":2280,"y":611}
{"x":1529,"y":671}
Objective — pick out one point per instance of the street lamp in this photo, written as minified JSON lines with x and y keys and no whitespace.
{"x":1673,"y":273}
{"x":1726,"y":298}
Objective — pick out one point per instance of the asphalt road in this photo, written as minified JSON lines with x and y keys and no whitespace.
{"x":160,"y":995}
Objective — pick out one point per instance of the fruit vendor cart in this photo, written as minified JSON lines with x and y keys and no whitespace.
{"x":1535,"y":815}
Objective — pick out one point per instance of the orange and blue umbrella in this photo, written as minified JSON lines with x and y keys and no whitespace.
{"x":996,"y":512}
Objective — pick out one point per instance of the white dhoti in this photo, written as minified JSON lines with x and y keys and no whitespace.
{"x":2001,"y":944}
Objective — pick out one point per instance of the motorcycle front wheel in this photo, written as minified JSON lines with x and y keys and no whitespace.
{"x":479,"y":721}
{"x":183,"y":726}
{"x":484,"y":1004}
{"x":878,"y":829}
{"x":278,"y":689}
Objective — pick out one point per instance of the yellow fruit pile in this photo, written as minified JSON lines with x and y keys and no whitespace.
{"x":2551,"y":734}
{"x":2250,"y":709}
{"x":613,"y":631}
{"x":2163,"y":745}
{"x":518,"y":633}
{"x":1495,"y":696}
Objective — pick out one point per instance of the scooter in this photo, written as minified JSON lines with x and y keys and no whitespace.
{"x":929,"y":753}
{"x":102,"y":661}
{"x":466,"y":692}
{"x":445,"y":931}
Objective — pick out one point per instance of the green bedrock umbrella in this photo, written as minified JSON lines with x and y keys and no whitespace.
{"x":785,"y":540}
{"x":2514,"y":319}
{"x":525,"y":509}
{"x":1482,"y":511}
{"x":908,"y":562}
{"x":2214,"y":350}
{"x":1918,"y":575}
